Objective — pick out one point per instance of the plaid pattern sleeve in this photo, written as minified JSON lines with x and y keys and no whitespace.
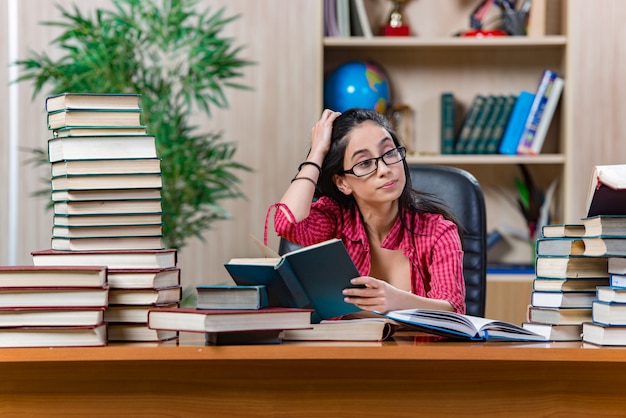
{"x":439,"y":257}
{"x":320,"y":225}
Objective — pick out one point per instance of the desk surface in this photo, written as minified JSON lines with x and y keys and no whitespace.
{"x":404,"y":347}
{"x":401,"y":378}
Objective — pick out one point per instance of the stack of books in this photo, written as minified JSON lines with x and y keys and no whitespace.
{"x":501,"y":123}
{"x":133,"y":292}
{"x":607,"y":238}
{"x":565,"y":283}
{"x":583,"y":266}
{"x":106,"y":192}
{"x":273,"y":296}
{"x":138,"y":280}
{"x":231,"y":314}
{"x":52,"y":306}
{"x":106,"y":188}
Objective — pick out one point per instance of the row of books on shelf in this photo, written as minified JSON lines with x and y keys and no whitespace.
{"x":501,"y":124}
{"x":346,"y":18}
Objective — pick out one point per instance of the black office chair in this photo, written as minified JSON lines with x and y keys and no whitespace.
{"x":462,"y":193}
{"x":464,"y":198}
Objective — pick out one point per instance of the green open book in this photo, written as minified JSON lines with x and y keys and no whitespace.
{"x":309,"y":277}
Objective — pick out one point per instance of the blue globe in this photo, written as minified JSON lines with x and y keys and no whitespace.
{"x":356,"y":84}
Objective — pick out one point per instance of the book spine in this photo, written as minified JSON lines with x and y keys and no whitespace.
{"x":536,"y":111}
{"x":330,"y":18}
{"x":447,"y":123}
{"x":515,"y":125}
{"x":483,"y":140}
{"x":343,"y":17}
{"x":470,"y":120}
{"x":617,"y":281}
{"x":546,"y":118}
{"x":481,"y":121}
{"x":363,"y":20}
{"x":495,"y":138}
{"x":298,"y":296}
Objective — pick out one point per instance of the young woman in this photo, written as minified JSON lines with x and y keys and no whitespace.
{"x":406,"y":247}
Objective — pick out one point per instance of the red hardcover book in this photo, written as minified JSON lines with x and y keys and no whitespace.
{"x":227,"y":320}
{"x":111,"y":258}
{"x":54,"y":276}
{"x":83,"y":336}
{"x":46,"y":297}
{"x":51,"y":316}
{"x":143,"y":278}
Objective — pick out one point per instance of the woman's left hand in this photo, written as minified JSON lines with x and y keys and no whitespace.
{"x":377,"y":295}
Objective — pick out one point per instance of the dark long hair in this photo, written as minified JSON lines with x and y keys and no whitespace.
{"x":410,"y":200}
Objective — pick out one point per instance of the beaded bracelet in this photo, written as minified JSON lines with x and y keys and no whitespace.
{"x":304,"y":178}
{"x":310,"y":163}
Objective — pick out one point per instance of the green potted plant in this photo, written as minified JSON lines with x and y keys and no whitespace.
{"x":174,"y":56}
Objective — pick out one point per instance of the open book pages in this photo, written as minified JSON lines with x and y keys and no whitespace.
{"x":459,"y":326}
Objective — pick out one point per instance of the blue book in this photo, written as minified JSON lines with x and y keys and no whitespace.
{"x":617,"y":281}
{"x":517,"y":123}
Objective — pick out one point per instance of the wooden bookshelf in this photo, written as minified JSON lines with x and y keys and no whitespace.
{"x":431,"y":61}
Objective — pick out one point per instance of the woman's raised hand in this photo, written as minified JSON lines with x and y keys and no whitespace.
{"x":321,"y":132}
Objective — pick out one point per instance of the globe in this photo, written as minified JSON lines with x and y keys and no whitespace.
{"x":356,"y":84}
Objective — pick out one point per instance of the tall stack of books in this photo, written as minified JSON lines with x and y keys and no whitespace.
{"x":605,"y":230}
{"x":106,"y":188}
{"x":589,"y":259}
{"x":565,"y":283}
{"x":231,"y":315}
{"x":606,"y":237}
{"x":106,"y":192}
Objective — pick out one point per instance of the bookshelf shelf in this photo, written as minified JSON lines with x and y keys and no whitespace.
{"x":516,"y":42}
{"x":547,"y":159}
{"x":420,"y":68}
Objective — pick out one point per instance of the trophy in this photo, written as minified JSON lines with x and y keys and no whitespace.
{"x":395,"y":25}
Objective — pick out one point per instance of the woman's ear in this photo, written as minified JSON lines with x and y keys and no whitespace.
{"x":342,"y":185}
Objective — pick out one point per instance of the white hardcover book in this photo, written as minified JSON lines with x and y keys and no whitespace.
{"x":546,"y":117}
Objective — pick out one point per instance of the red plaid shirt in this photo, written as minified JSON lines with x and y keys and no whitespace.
{"x":432,"y":245}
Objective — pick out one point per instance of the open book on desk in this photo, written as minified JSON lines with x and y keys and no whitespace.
{"x":459,"y":326}
{"x":310,"y":277}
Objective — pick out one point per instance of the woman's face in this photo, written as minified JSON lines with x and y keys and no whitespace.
{"x":385,"y":184}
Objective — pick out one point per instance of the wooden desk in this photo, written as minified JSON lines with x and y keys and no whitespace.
{"x":399,"y":379}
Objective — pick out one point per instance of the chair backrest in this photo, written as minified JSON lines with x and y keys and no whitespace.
{"x":462,"y":194}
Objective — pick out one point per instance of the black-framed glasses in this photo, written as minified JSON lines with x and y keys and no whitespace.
{"x":370,"y":165}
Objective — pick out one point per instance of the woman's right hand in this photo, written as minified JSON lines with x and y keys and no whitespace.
{"x":321,"y":133}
